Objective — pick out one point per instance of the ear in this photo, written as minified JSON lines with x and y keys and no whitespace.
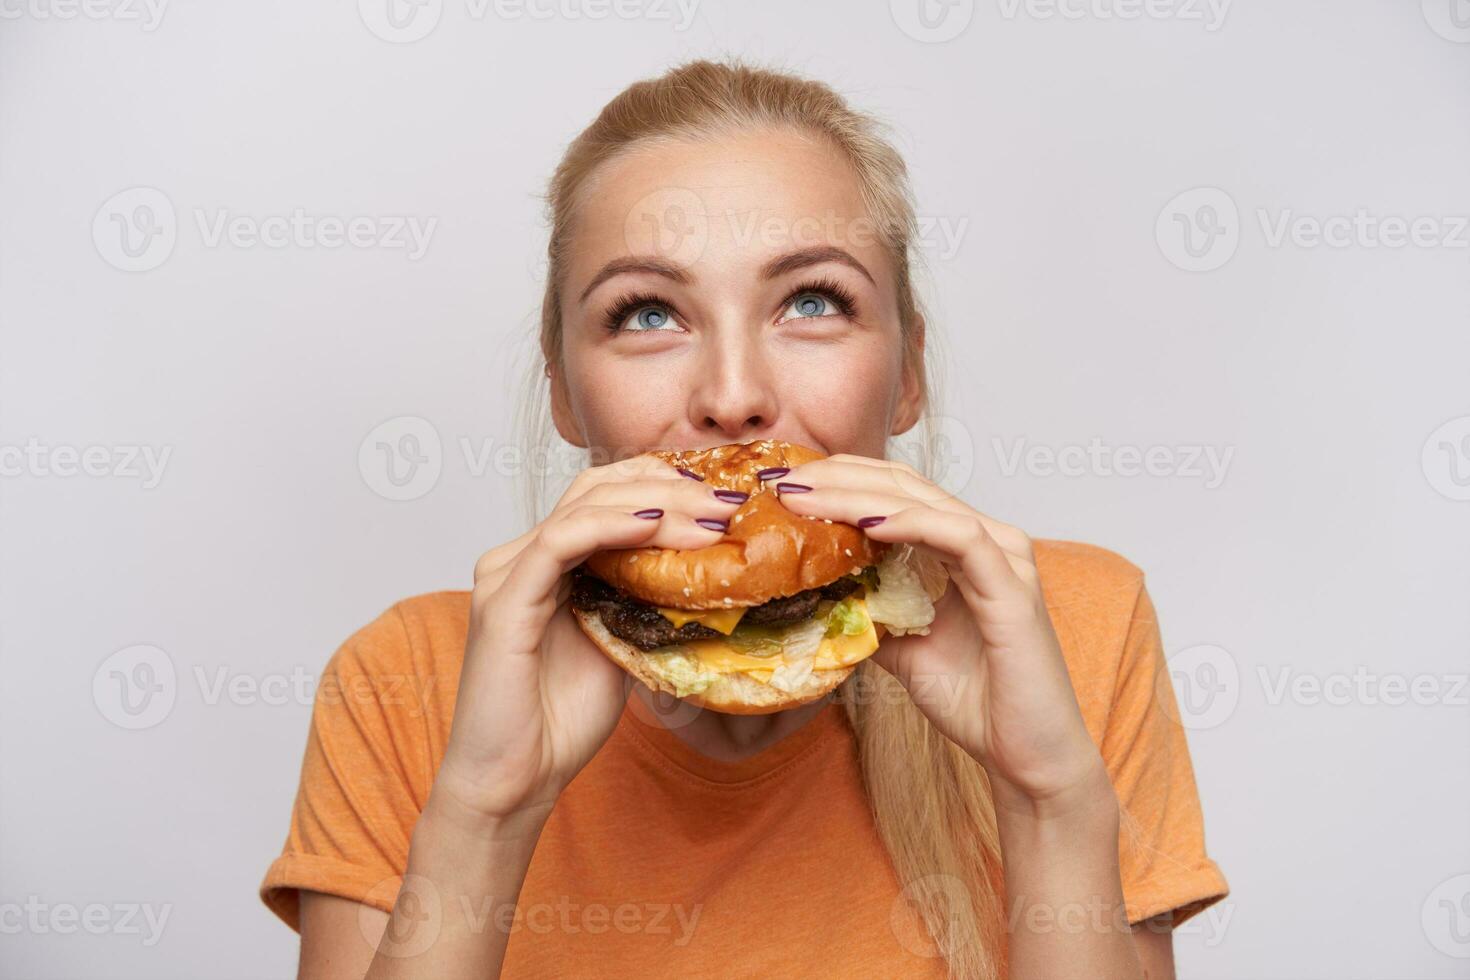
{"x":561,"y":409}
{"x":910,"y":402}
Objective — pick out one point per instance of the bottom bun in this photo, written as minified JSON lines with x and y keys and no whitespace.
{"x":733,"y":693}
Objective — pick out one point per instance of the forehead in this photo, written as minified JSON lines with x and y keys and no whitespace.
{"x":722,"y":205}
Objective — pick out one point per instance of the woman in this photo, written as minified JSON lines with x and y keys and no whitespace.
{"x":729,"y":260}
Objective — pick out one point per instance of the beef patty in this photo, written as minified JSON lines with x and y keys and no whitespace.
{"x":645,"y":627}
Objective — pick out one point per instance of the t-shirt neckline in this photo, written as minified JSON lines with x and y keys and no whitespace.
{"x":670,"y":748}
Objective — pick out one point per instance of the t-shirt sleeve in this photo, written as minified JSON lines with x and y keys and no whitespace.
{"x":1162,"y":840}
{"x":357,"y":801}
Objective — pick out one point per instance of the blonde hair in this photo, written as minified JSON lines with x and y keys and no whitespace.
{"x":931,"y":802}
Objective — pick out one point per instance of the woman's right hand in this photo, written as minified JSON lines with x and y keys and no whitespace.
{"x":536,"y":698}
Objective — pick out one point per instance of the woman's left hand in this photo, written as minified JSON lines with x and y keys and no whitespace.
{"x":990,"y":674}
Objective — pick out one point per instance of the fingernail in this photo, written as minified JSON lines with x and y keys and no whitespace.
{"x":691,"y":474}
{"x":771,"y":472}
{"x":870,"y":521}
{"x":649,"y":513}
{"x":731,"y":496}
{"x":710,"y":524}
{"x":792,"y":488}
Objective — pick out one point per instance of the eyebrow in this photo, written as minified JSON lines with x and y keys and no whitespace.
{"x":634,"y":263}
{"x":815,"y":255}
{"x":779,"y":266}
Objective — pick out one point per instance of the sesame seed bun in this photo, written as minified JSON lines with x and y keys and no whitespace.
{"x":769,"y":552}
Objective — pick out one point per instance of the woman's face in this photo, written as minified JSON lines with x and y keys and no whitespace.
{"x":730,"y":290}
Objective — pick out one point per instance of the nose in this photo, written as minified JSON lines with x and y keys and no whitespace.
{"x":735,"y":394}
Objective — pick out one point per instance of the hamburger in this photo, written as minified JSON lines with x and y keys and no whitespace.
{"x":776,"y":614}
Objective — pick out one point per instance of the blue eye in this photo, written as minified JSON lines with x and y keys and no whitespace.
{"x":650,"y":318}
{"x":811,"y":304}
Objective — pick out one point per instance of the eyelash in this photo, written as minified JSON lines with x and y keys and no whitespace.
{"x":628,"y":304}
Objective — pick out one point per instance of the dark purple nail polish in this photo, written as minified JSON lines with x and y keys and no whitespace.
{"x":771,"y":472}
{"x":649,"y":513}
{"x":792,"y":488}
{"x":710,"y":524}
{"x":871,"y":521}
{"x":731,"y":496}
{"x":691,"y":474}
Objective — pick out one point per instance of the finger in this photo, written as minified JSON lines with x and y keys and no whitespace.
{"x":523,"y":601}
{"x":688,"y":497}
{"x":883,"y":476}
{"x":960,"y":540}
{"x":496,"y":559}
{"x":642,"y":467}
{"x":876,"y":474}
{"x":688,"y":515}
{"x":642,"y":476}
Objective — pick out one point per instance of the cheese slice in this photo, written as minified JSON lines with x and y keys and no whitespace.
{"x":720,"y":620}
{"x":835,"y":652}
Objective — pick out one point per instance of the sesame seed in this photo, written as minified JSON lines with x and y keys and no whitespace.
{"x":686,"y":590}
{"x":847,"y":552}
{"x":826,"y":520}
{"x":725,"y":582}
{"x":729,"y":601}
{"x":632,"y":560}
{"x":739,"y":518}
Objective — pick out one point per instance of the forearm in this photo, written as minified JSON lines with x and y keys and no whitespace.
{"x":1064,"y":893}
{"x":454,"y":912}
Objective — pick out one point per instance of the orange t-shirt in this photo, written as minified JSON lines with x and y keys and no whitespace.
{"x":660,"y":861}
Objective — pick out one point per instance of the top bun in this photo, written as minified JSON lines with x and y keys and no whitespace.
{"x":769,"y":552}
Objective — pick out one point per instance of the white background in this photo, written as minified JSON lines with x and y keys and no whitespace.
{"x":1333,"y":549}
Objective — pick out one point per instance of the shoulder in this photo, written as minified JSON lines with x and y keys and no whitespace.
{"x":1095,"y":598}
{"x":1077,"y":574}
{"x":421,"y":636}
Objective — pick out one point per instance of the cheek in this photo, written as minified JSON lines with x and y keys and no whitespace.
{"x":619,"y":407}
{"x":844,"y":397}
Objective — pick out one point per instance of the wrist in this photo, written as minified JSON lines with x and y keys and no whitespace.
{"x":1085,"y":799}
{"x":446,"y":818}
